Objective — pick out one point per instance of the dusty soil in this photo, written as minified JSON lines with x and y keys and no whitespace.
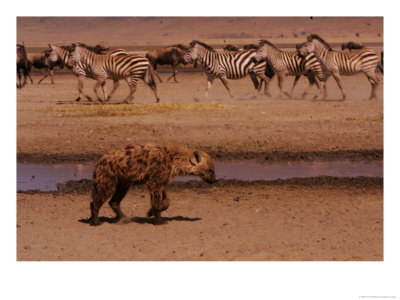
{"x":50,"y":127}
{"x":300,"y":220}
{"x":310,"y":220}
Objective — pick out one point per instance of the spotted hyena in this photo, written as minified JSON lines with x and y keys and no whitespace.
{"x":153,"y":165}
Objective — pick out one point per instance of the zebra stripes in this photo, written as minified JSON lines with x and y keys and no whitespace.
{"x":128,"y":67}
{"x":338,"y":63}
{"x":221,"y":65}
{"x":81,"y":70}
{"x":291,"y":63}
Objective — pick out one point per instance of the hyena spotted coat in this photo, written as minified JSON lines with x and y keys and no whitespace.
{"x":153,"y":165}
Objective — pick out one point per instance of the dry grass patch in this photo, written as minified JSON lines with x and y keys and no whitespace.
{"x":112,"y":110}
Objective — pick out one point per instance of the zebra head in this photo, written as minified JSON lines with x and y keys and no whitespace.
{"x":319,"y":43}
{"x":191,"y":55}
{"x":305,"y":48}
{"x":59,"y":53}
{"x":262,"y":52}
{"x":53,"y":55}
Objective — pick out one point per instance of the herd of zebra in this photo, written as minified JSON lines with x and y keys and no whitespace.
{"x":314,"y":59}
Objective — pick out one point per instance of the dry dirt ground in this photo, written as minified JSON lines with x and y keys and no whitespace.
{"x":319,"y":220}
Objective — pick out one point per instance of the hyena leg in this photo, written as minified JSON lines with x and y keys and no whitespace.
{"x":157,"y":204}
{"x":115,"y":201}
{"x":98,"y":199}
{"x":164,"y":204}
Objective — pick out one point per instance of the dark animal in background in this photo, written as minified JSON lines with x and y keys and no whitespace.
{"x":351,"y":46}
{"x":22,"y":65}
{"x":231,"y":48}
{"x":41,"y":61}
{"x":250,"y":46}
{"x":153,"y":165}
{"x":171,"y":55}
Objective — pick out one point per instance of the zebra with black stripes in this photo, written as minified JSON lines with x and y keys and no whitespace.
{"x":284,"y":64}
{"x":102,"y":67}
{"x":338,"y":63}
{"x":80,"y":69}
{"x":222,"y":65}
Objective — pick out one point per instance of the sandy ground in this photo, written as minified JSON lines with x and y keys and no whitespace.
{"x":245,"y":127}
{"x":226,"y":221}
{"x":251,"y":221}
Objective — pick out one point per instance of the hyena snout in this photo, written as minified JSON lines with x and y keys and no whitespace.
{"x":209,"y":176}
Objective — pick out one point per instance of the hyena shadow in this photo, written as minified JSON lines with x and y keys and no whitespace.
{"x":141,"y":220}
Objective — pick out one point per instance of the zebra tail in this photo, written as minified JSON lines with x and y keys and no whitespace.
{"x":149,"y":76}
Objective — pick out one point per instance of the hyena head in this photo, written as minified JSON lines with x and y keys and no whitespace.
{"x":202,"y":165}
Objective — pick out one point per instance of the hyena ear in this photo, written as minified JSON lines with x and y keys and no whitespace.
{"x":195,"y":159}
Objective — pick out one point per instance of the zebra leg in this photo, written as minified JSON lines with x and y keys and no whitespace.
{"x":254,"y":79}
{"x":339,"y":83}
{"x":225,"y":82}
{"x":116,"y":85}
{"x":132,"y":86}
{"x":311,"y":81}
{"x":281,"y":79}
{"x":80,"y":90}
{"x":296,"y":80}
{"x":100,"y":82}
{"x":373,"y":79}
{"x":318,"y":84}
{"x":210,"y":80}
{"x":266,"y":81}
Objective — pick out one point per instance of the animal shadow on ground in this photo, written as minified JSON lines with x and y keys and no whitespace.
{"x":84,"y":102}
{"x":141,"y":220}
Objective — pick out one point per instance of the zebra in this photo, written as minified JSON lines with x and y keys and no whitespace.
{"x":128,"y":67}
{"x":81,"y":70}
{"x":291,"y":63}
{"x":222,"y":65}
{"x":338,"y":63}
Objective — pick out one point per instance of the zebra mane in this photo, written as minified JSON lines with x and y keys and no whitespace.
{"x":194,"y":42}
{"x":263,"y":42}
{"x":317,"y":37}
{"x":66,"y":47}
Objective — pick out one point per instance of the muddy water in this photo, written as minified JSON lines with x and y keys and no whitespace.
{"x":46,"y":177}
